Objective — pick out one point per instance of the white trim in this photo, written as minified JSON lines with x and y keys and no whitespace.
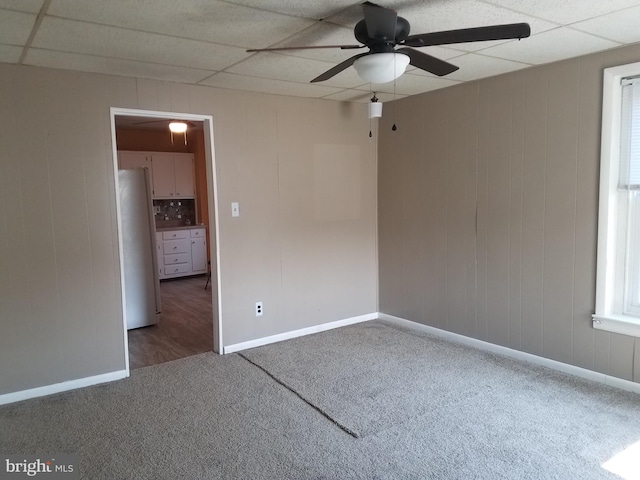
{"x":621,"y":324}
{"x":214,"y":211}
{"x":609,"y":299}
{"x":116,"y":184}
{"x":212,"y":187}
{"x":62,"y":387}
{"x":517,"y":354}
{"x":259,"y":342}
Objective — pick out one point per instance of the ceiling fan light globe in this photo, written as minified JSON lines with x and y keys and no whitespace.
{"x":178,"y":127}
{"x":381,"y":67}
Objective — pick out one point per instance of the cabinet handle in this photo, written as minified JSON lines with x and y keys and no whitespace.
{"x":175,"y":248}
{"x":177,"y":193}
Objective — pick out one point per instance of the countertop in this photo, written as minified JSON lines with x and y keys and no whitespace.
{"x":183,"y":227}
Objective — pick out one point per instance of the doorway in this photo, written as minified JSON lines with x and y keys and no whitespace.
{"x":190,"y":303}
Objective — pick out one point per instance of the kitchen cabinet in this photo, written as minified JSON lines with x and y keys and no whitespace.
{"x":174,"y":175}
{"x":198,"y":251}
{"x":181,"y":252}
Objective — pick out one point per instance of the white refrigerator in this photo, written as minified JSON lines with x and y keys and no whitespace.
{"x":141,"y":283}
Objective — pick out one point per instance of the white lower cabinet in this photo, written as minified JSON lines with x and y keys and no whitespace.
{"x":181,"y":252}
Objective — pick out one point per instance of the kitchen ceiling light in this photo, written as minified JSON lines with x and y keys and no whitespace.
{"x":178,"y":127}
{"x":381,"y":67}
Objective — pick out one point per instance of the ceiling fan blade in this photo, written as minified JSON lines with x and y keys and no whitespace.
{"x":427,"y":62}
{"x":338,"y":68}
{"x":380,"y":21}
{"x":464,"y":35}
{"x":275,"y":49}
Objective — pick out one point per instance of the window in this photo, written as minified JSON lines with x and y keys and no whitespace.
{"x":618,"y":267}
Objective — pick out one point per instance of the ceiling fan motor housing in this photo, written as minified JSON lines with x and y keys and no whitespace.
{"x":381,"y":44}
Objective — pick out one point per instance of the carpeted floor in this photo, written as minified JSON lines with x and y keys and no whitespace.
{"x":369,"y":401}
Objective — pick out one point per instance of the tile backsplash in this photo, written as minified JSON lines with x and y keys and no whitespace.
{"x":172,"y":213}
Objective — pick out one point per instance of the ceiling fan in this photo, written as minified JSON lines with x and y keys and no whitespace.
{"x":382,"y":30}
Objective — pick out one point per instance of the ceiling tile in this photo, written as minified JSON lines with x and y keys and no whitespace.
{"x":284,"y":67}
{"x":278,"y":87}
{"x":438,"y":15}
{"x":409,"y":84}
{"x":208,"y":20}
{"x":86,"y":38}
{"x":31,"y":6}
{"x":361,"y":96}
{"x":317,"y":9}
{"x":112,"y":66}
{"x":318,"y":35}
{"x":474,"y":66}
{"x":550,"y":46}
{"x":16,"y":27}
{"x":621,"y":26}
{"x":10,"y":54}
{"x":566,"y":11}
{"x":191,"y":40}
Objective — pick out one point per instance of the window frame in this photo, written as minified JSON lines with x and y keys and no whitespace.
{"x":610,"y":268}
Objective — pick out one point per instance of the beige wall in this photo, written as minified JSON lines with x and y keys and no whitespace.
{"x":292,"y":164}
{"x":488,"y":196}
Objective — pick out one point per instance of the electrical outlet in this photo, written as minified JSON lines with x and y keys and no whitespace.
{"x":258,"y":309}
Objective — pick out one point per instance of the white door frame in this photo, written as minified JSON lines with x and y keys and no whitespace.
{"x":212,"y":195}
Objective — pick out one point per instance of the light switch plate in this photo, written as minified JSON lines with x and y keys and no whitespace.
{"x":235,"y":209}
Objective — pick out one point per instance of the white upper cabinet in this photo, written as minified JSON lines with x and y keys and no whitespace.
{"x":172,"y":174}
{"x":164,"y":176}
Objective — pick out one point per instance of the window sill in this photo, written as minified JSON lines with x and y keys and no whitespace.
{"x":623,"y":324}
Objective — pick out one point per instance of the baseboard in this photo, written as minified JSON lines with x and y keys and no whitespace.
{"x":61,"y":387}
{"x":517,"y":354}
{"x":298,"y":333}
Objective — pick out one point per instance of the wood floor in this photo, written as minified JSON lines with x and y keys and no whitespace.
{"x":185,"y":327}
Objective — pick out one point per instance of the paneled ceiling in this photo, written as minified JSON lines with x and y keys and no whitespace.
{"x":204,"y":41}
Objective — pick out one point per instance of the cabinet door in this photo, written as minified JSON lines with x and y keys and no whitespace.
{"x":163,"y":178}
{"x":183,"y":169}
{"x":199,"y":255}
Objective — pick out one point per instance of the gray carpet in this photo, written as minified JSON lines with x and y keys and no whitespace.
{"x":371,"y":376}
{"x":422,"y":408}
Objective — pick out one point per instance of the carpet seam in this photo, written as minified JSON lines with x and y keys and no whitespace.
{"x":347,"y":430}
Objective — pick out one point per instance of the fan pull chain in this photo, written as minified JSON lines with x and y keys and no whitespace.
{"x":394,"y":128}
{"x":369,"y":107}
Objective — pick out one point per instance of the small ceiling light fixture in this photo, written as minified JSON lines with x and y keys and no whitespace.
{"x":381,"y":67}
{"x":178,"y":127}
{"x":375,"y":107}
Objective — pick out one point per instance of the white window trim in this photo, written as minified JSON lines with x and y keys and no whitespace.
{"x":608,"y":315}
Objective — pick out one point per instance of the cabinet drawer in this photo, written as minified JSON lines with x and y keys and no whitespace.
{"x":198,"y":232}
{"x":176,"y":269}
{"x":176,"y":259}
{"x":176,"y":246}
{"x":174,"y":234}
